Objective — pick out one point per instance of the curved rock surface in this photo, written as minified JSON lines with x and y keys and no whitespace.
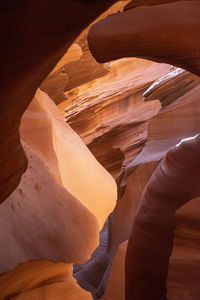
{"x":41,"y":217}
{"x":174,"y":183}
{"x":67,"y":158}
{"x":38,"y":218}
{"x":65,"y":196}
{"x":45,"y":31}
{"x":126,"y":34}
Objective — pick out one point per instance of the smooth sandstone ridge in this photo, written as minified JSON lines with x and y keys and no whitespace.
{"x":67,"y":158}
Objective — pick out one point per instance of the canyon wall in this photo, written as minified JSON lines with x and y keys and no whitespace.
{"x":68,"y":230}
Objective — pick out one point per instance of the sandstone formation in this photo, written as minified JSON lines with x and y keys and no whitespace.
{"x":175,"y":121}
{"x":77,"y":66}
{"x":41,"y":280}
{"x":67,"y":158}
{"x":145,"y":164}
{"x":73,"y":53}
{"x":73,"y":74}
{"x":126,"y":34}
{"x":171,"y":87}
{"x":41,"y":217}
{"x":179,"y":120}
{"x":116,"y":281}
{"x":39,"y":35}
{"x":173,"y":184}
{"x":67,"y":230}
{"x":108,"y":113}
{"x":143,"y":45}
{"x":39,"y":227}
{"x":138,"y":3}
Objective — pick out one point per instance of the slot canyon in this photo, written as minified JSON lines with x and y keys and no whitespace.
{"x":100,"y":150}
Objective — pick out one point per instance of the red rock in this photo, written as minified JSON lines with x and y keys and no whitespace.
{"x":34,"y":38}
{"x":139,"y":33}
{"x":174,"y":183}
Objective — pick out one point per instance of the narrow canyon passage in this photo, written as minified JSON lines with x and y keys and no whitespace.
{"x":100,"y":154}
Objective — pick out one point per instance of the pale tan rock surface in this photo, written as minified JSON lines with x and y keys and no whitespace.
{"x":67,"y":158}
{"x":42,"y":220}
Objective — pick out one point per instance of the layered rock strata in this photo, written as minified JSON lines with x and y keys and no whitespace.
{"x":109,"y":115}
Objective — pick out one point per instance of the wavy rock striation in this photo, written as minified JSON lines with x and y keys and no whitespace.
{"x":109,"y":115}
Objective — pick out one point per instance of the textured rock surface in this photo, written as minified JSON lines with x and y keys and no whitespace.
{"x":172,"y":86}
{"x":178,"y":120}
{"x":109,"y":115}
